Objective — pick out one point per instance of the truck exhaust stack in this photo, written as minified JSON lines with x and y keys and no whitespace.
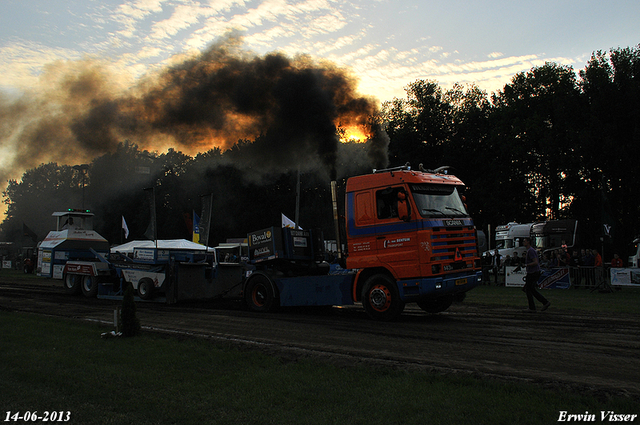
{"x":334,"y":201}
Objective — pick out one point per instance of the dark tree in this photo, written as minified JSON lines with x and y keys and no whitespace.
{"x":538,"y":118}
{"x":611,"y":87}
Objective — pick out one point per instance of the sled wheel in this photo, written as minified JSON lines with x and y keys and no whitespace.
{"x":72,"y":283}
{"x":145,"y":289}
{"x":89,"y":286}
{"x":260,"y":294}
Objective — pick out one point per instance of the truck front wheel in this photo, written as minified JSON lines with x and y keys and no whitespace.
{"x":381,"y":299}
{"x":260,"y":294}
{"x":72,"y":283}
{"x":89,"y":286}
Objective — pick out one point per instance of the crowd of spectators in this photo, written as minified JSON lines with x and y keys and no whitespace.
{"x":586,"y":265}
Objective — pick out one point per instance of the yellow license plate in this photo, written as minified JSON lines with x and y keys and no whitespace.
{"x":461,"y":281}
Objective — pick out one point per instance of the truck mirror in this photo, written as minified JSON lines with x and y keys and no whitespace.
{"x":403,"y":207}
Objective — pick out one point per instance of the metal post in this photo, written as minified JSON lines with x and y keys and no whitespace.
{"x":298,"y":200}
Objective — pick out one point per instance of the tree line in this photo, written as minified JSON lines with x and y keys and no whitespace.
{"x":553,"y":143}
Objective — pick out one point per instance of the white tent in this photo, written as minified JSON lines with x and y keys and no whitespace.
{"x":162,"y":244}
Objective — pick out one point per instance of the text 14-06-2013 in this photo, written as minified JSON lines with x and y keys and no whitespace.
{"x":54,"y":416}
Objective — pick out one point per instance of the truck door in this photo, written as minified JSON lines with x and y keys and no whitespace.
{"x":361,"y":228}
{"x":396,"y":232}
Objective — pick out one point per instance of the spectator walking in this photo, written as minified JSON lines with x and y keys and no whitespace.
{"x":531,"y":280}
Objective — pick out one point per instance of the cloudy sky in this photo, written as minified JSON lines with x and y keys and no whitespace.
{"x":386,"y":44}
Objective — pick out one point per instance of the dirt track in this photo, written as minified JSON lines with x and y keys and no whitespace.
{"x":580,"y":350}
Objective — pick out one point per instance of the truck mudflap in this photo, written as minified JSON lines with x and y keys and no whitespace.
{"x":315,"y":290}
{"x":414,"y":289}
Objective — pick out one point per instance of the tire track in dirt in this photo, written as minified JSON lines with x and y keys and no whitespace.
{"x":588,"y":351}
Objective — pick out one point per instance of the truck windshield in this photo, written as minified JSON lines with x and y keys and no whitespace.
{"x":541,"y":242}
{"x":504,"y":244}
{"x":434,"y":200}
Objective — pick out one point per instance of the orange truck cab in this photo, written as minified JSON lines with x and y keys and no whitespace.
{"x":411,"y":239}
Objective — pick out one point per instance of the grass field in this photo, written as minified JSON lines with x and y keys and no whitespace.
{"x":625,"y":300}
{"x":53,"y":364}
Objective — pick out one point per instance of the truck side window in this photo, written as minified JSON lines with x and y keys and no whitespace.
{"x":387,"y":202}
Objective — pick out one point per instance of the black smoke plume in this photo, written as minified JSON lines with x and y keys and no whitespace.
{"x":290,"y":107}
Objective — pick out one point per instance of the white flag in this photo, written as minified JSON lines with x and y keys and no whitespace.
{"x":125,"y":228}
{"x":287,"y":222}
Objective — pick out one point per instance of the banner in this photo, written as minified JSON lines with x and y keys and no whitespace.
{"x":204,"y":225}
{"x":196,"y":228}
{"x":625,"y":277}
{"x":287,"y":222}
{"x":125,"y":228}
{"x":555,"y":279}
{"x":549,"y":279}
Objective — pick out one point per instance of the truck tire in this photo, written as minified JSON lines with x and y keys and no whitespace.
{"x":89,"y":286}
{"x":146,"y":289}
{"x":436,"y":305}
{"x":381,"y":299}
{"x":261,"y":295}
{"x":72,"y":283}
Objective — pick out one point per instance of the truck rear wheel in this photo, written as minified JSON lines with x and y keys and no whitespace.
{"x":436,"y":305}
{"x":89,"y":286}
{"x":72,"y":283}
{"x":381,"y":299}
{"x":145,"y":289}
{"x":260,"y":294}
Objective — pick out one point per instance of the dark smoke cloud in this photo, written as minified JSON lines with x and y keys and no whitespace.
{"x":290,"y":106}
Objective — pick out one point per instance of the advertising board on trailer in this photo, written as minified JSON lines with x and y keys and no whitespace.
{"x":625,"y":277}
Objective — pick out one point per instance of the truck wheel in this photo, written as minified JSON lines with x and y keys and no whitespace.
{"x":436,"y":305}
{"x":381,"y":299}
{"x":145,"y":289}
{"x":260,"y":294}
{"x":72,"y":283}
{"x":89,"y":286}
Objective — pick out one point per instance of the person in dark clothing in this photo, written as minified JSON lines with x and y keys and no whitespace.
{"x":531,"y":280}
{"x":496,"y":265}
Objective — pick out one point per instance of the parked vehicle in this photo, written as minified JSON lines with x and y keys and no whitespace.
{"x":509,"y":239}
{"x":554,"y":234}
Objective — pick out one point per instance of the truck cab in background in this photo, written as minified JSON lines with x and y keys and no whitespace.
{"x":411,"y":239}
{"x":554,"y":234}
{"x":509,"y":239}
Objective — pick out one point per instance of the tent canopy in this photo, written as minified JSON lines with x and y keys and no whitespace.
{"x":162,"y":244}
